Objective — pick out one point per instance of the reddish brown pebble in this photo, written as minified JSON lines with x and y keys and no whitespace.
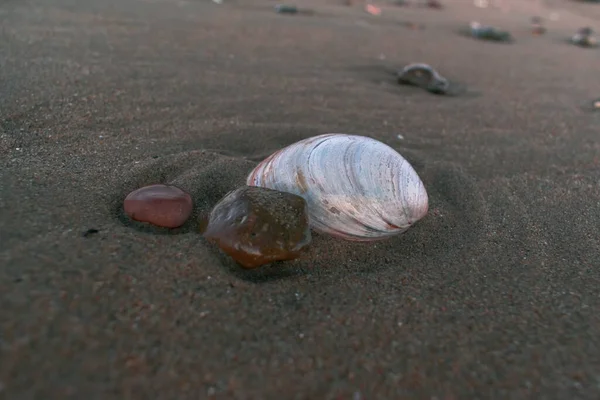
{"x":258,"y":226}
{"x":434,"y":4}
{"x":538,"y":30}
{"x":161,"y":205}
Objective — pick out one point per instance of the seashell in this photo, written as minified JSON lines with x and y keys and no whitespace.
{"x":356,"y":187}
{"x":423,"y":76}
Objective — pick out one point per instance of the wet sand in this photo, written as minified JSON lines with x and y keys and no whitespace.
{"x":494,"y":294}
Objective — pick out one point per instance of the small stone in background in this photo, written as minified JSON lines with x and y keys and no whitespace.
{"x":584,"y":38}
{"x":414,"y":25}
{"x":284,"y":9}
{"x":538,"y":27}
{"x":434,"y":4}
{"x":490,"y":33}
{"x":425,"y":77}
{"x":258,"y":226}
{"x":166,"y":206}
{"x":373,"y":9}
{"x":293,"y":10}
{"x":90,"y":232}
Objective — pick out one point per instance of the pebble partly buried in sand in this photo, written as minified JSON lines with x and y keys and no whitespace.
{"x":356,"y":187}
{"x":585,"y":38}
{"x":537,"y":26}
{"x":434,"y":4}
{"x":413,"y":25}
{"x":166,"y":206}
{"x":293,"y":10}
{"x":483,"y":32}
{"x":258,"y":226}
{"x":286,"y":9}
{"x":423,"y":76}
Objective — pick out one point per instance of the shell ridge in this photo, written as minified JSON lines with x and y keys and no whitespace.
{"x":403,"y":199}
{"x":370,"y":189}
{"x":315,"y":221}
{"x":373,"y":190}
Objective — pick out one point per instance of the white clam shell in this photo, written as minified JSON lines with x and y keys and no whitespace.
{"x":356,"y":188}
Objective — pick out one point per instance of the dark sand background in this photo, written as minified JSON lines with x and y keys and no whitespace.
{"x":493,"y":295}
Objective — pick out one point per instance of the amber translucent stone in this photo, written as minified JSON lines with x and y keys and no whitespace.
{"x":258,"y":226}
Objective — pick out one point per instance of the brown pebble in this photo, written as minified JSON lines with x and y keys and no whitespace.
{"x":166,"y":206}
{"x":434,"y":4}
{"x":258,"y":226}
{"x":538,"y":30}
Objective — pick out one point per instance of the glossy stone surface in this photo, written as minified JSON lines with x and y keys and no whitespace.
{"x":166,"y":206}
{"x":258,"y":226}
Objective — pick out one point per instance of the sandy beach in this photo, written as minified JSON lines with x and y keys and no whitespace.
{"x":493,"y":295}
